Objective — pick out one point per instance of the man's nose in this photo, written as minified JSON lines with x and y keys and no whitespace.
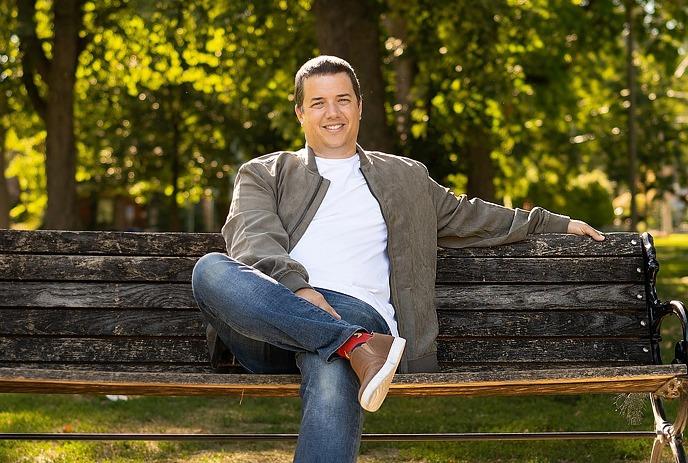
{"x":331,"y":109}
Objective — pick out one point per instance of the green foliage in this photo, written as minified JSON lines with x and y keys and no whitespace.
{"x":172,"y":96}
{"x":587,"y":197}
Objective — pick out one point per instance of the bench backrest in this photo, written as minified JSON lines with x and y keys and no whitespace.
{"x":122,"y":301}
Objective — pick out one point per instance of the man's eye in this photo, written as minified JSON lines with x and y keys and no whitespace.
{"x":345,"y":100}
{"x":317,"y":104}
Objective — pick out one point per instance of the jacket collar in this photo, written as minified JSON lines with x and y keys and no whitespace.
{"x":309,"y":158}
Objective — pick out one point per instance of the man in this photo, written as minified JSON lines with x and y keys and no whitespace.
{"x":332,"y":261}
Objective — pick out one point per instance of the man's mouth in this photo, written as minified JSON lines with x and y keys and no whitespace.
{"x":333,"y":127}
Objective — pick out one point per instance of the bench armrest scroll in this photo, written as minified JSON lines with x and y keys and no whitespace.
{"x":659,"y":310}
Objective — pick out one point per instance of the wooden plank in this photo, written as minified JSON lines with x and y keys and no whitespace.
{"x":197,"y":244}
{"x":481,"y":351}
{"x":539,"y":270}
{"x":448,"y":367}
{"x":101,"y":322}
{"x":178,"y":269}
{"x":185,"y":368}
{"x":558,"y":245}
{"x":623,"y":296}
{"x":96,"y":268}
{"x":96,"y":294}
{"x":466,"y":324}
{"x":463,"y":296}
{"x":98,"y":350}
{"x":466,"y":384}
{"x":484,"y":351}
{"x":109,"y":243}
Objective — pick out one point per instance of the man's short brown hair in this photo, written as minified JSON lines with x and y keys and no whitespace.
{"x":323,"y":65}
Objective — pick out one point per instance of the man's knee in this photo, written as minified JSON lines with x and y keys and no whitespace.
{"x":206,"y":273}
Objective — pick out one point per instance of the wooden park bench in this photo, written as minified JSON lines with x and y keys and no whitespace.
{"x":113,"y":313}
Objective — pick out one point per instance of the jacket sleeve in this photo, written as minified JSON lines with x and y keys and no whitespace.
{"x":255,"y":234}
{"x":463,"y":222}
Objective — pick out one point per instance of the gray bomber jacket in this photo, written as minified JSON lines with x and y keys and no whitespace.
{"x":277,"y":195}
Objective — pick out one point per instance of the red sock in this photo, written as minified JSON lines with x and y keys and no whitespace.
{"x":353,"y":342}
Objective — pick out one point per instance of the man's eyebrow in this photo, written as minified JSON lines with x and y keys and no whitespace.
{"x":318,"y":98}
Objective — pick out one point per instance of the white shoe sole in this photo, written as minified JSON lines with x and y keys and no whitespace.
{"x":374,"y":394}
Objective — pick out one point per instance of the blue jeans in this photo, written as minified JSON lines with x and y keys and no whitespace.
{"x":271,"y":330}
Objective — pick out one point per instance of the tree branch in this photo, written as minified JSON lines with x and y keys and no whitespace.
{"x":33,"y":56}
{"x":37,"y":101}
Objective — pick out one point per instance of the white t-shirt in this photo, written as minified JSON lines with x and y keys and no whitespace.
{"x":344,"y":248}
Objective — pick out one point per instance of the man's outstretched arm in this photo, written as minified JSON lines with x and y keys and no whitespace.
{"x":463,"y":222}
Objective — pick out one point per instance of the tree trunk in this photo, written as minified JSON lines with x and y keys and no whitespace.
{"x":57,"y":109}
{"x":176,"y":140}
{"x":351,"y":30}
{"x":61,"y":212}
{"x":632,"y":145}
{"x":480,"y":168}
{"x":4,"y":192}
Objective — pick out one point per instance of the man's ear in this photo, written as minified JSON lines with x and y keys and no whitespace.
{"x":360,"y":110}
{"x":299,"y":114}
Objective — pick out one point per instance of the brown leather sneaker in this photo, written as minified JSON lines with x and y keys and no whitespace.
{"x":375,"y":363}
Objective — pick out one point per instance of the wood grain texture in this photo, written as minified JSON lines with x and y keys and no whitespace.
{"x":170,"y":367}
{"x":110,"y":243}
{"x":514,"y":323}
{"x":97,"y":350}
{"x":82,"y":294}
{"x":101,"y":322}
{"x":557,"y":245}
{"x":543,"y":350}
{"x":487,"y":297}
{"x":637,"y":379}
{"x":189,"y":350}
{"x":453,"y":324}
{"x":178,"y":269}
{"x":539,"y":270}
{"x":198,"y":244}
{"x":96,"y":268}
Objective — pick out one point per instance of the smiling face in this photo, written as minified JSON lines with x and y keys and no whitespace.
{"x":330,"y":115}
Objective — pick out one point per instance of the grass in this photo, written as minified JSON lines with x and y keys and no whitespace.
{"x":65,"y":413}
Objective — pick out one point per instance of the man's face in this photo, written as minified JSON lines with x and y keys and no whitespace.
{"x":330,"y":115}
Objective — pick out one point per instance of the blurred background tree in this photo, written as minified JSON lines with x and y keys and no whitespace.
{"x":131,"y":114}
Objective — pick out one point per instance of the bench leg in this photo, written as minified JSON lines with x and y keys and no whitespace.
{"x":667,"y":433}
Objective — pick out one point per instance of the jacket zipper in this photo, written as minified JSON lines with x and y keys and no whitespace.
{"x":392,"y":282}
{"x":305,"y":211}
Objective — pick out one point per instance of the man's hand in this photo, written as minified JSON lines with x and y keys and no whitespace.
{"x":318,"y":299}
{"x":578,"y":227}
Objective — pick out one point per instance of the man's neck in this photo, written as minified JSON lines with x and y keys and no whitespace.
{"x":343,"y":153}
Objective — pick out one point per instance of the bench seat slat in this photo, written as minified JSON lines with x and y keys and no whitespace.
{"x":539,"y":270}
{"x":602,"y":380}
